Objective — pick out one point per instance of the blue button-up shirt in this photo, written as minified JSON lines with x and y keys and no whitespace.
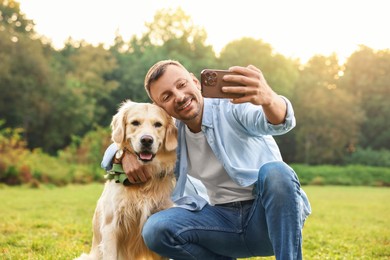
{"x":240,"y":137}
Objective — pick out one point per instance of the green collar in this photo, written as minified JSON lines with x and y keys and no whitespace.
{"x":118,"y":174}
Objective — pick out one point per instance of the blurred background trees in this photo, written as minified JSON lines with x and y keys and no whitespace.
{"x":58,"y":98}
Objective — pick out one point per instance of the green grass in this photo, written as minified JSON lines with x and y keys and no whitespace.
{"x":55,"y":223}
{"x":348,"y":223}
{"x":46,"y":223}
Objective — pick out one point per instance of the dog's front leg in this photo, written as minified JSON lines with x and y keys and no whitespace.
{"x":109,"y":242}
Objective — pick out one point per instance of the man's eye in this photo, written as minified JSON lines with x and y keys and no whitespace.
{"x":157,"y":125}
{"x":182,"y":84}
{"x":135,"y":123}
{"x":165,"y":98}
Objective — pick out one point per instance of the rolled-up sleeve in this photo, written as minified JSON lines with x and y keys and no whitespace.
{"x":109,"y":154}
{"x":289,"y":122}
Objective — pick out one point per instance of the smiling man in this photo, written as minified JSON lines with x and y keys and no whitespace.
{"x":235,"y":196}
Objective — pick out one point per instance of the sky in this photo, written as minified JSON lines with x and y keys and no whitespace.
{"x":294,"y":28}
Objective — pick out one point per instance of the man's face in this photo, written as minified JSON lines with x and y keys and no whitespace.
{"x":178,"y":93}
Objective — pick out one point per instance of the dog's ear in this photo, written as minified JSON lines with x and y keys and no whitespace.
{"x":171,"y":135}
{"x":118,"y":124}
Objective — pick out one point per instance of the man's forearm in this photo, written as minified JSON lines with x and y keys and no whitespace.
{"x":276,"y":111}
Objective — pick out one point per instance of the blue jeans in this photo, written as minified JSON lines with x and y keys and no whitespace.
{"x":270,"y":224}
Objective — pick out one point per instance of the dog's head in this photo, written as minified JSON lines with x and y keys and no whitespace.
{"x":145,"y":129}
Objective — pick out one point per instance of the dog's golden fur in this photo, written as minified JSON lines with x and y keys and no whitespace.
{"x":122,"y":210}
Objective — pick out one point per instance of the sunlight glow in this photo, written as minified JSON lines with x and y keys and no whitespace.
{"x":296,"y":29}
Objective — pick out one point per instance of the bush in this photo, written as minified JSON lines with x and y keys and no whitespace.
{"x":79,"y":163}
{"x":13,"y":151}
{"x":356,"y":175}
{"x":369,"y":157}
{"x":89,"y":149}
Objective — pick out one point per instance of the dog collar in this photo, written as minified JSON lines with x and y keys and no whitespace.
{"x":118,"y":174}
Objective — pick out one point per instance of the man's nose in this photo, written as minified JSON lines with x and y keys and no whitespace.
{"x":179,"y":96}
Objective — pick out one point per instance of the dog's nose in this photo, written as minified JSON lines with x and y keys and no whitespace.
{"x":146,"y":140}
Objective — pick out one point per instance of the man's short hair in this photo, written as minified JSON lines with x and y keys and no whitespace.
{"x":156,"y":71}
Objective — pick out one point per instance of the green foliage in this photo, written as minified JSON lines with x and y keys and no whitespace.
{"x":367,"y":79}
{"x":55,"y":223}
{"x":80,"y":163}
{"x":280,"y":72}
{"x":54,"y":95}
{"x":171,"y":35}
{"x":12,"y":149}
{"x":25,"y":85}
{"x":369,"y":157}
{"x":50,"y":95}
{"x":350,"y":175}
{"x":88,"y":71}
{"x":87,"y":150}
{"x":37,"y":168}
{"x":328,"y":117}
{"x":13,"y":20}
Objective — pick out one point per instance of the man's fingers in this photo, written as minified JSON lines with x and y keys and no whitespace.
{"x":142,"y":176}
{"x":131,"y":179}
{"x":138,"y":175}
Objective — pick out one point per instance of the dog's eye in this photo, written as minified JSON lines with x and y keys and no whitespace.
{"x":135,"y":123}
{"x":157,"y":125}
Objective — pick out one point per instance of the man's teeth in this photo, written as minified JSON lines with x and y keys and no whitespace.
{"x":186,"y":104}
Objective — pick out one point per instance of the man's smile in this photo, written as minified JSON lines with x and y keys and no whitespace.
{"x":185,"y":105}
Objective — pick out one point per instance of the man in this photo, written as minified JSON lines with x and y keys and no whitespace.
{"x":235,"y":196}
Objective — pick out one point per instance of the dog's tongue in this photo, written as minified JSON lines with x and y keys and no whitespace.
{"x":145,"y":156}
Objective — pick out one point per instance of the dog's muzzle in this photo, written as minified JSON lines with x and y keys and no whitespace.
{"x":146,"y":153}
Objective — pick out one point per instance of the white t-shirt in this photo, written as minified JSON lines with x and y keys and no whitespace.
{"x":203,"y":165}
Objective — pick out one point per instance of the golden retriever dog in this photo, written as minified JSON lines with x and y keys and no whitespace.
{"x":149,"y":133}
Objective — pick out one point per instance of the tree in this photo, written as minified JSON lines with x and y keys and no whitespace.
{"x":367,"y":79}
{"x":328,"y":117}
{"x":171,"y":35}
{"x":178,"y":38}
{"x":280,"y":73}
{"x":24,"y":84}
{"x":50,"y":95}
{"x":14,"y":21}
{"x":88,"y":72}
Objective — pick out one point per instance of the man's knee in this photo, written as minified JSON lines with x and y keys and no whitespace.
{"x":277,"y":176}
{"x":276,"y":170}
{"x":153,"y":233}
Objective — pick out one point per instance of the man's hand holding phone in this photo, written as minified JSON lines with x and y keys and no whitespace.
{"x":244,"y":84}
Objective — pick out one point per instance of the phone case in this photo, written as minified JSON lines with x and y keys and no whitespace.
{"x":212,"y":83}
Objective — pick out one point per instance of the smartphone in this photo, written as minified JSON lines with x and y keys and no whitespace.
{"x":212,"y":83}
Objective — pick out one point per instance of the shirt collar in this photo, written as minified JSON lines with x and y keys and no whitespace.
{"x":207,"y":119}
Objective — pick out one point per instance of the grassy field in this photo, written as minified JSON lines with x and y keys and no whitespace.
{"x":55,"y":223}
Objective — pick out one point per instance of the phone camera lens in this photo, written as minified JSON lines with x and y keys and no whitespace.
{"x":211,"y":78}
